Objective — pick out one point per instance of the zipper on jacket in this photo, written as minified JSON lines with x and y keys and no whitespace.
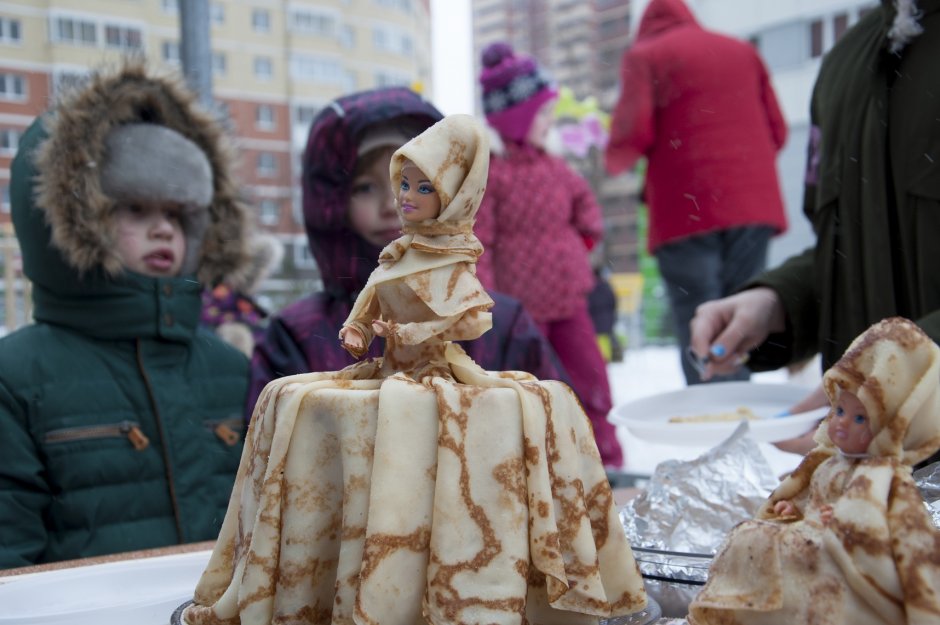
{"x":168,"y":470}
{"x":125,"y":429}
{"x":225,"y":431}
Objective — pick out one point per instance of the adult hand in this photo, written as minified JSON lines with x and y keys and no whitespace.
{"x":725,"y":330}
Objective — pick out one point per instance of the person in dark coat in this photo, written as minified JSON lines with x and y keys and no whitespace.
{"x":345,"y":166}
{"x":700,"y":107}
{"x":120,"y":417}
{"x":873,"y":197}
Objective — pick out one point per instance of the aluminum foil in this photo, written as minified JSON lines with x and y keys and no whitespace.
{"x":689,"y":506}
{"x":928,"y":481}
{"x":678,"y":523}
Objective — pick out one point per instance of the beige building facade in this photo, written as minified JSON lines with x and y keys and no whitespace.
{"x":275,"y":64}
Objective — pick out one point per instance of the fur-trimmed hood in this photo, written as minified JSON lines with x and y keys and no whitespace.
{"x":66,"y":166}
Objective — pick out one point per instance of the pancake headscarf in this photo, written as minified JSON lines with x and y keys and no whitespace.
{"x":894,"y":370}
{"x":454,"y":154}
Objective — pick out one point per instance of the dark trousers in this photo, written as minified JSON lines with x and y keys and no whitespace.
{"x":707,"y":267}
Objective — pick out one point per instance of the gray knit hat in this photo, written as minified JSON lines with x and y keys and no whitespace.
{"x":152,"y":162}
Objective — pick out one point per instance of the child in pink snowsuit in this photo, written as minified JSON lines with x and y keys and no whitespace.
{"x":537,"y":223}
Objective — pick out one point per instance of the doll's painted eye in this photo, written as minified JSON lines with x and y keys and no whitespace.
{"x":840,"y":411}
{"x":426,"y":189}
{"x":404,"y":185}
{"x":860,"y":419}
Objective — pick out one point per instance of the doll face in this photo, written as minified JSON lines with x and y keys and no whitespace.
{"x":372,"y":211}
{"x":849,"y":426}
{"x":150,"y":237}
{"x":416,"y":195}
{"x":541,"y":124}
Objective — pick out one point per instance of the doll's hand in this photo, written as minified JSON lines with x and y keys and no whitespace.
{"x":784,"y":508}
{"x":825,"y":514}
{"x":381,"y":328}
{"x":352,"y":339}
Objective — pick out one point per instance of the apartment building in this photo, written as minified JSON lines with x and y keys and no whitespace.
{"x":275,"y":63}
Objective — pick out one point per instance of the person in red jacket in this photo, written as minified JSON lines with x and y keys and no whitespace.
{"x":700,"y":107}
{"x":537,"y":223}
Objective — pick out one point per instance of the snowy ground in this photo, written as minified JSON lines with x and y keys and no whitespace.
{"x":652,"y":370}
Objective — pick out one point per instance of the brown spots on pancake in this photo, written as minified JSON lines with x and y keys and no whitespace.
{"x":459,"y":270}
{"x":380,"y":546}
{"x":511,"y":476}
{"x":543,"y":509}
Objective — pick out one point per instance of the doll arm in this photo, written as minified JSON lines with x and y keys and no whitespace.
{"x":469,"y":325}
{"x":24,"y":494}
{"x":357,"y":333}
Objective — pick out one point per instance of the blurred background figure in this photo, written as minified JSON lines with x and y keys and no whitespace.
{"x":700,"y":107}
{"x":231,"y":308}
{"x":349,"y":213}
{"x":538,"y":221}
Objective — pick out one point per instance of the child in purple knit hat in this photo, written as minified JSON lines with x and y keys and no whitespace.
{"x":538,"y":221}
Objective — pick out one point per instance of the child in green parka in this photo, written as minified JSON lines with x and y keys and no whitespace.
{"x":120,"y":417}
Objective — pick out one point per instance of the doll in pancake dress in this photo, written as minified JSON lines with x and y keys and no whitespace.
{"x":846,"y":538}
{"x":417,"y":487}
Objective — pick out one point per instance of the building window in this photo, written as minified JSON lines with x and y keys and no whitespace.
{"x":267,"y":165}
{"x":840,"y":24}
{"x":816,"y":48}
{"x":264,"y":117}
{"x":347,"y":36}
{"x":219,"y":64}
{"x":9,"y":139}
{"x":9,"y":30}
{"x":785,"y":46}
{"x":74,"y":31}
{"x":170,"y":6}
{"x":313,"y":23}
{"x":5,"y":201}
{"x":264,"y":69}
{"x":391,"y":79}
{"x":303,"y":258}
{"x":124,"y":37}
{"x":318,"y":69}
{"x":217,"y":13}
{"x":401,"y":5}
{"x":12,"y":87}
{"x":170,"y":50}
{"x":261,"y":20}
{"x":304,"y":113}
{"x":269,"y":212}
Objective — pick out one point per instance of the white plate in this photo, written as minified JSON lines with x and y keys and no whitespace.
{"x":138,"y":592}
{"x":648,"y":417}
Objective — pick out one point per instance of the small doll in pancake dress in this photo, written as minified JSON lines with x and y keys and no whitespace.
{"x":846,"y":537}
{"x":418,"y":488}
{"x":425,"y":293}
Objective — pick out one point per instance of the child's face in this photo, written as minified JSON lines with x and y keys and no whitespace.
{"x":849,"y":427}
{"x":372,"y":211}
{"x":542,"y":123}
{"x":150,"y":237}
{"x":416,"y":196}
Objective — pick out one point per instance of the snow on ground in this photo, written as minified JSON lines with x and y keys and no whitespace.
{"x":652,"y":370}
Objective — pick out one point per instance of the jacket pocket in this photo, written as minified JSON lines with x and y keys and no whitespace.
{"x":125,"y":429}
{"x":229,"y":431}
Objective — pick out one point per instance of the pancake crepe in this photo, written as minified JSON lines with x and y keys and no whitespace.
{"x":419,"y":488}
